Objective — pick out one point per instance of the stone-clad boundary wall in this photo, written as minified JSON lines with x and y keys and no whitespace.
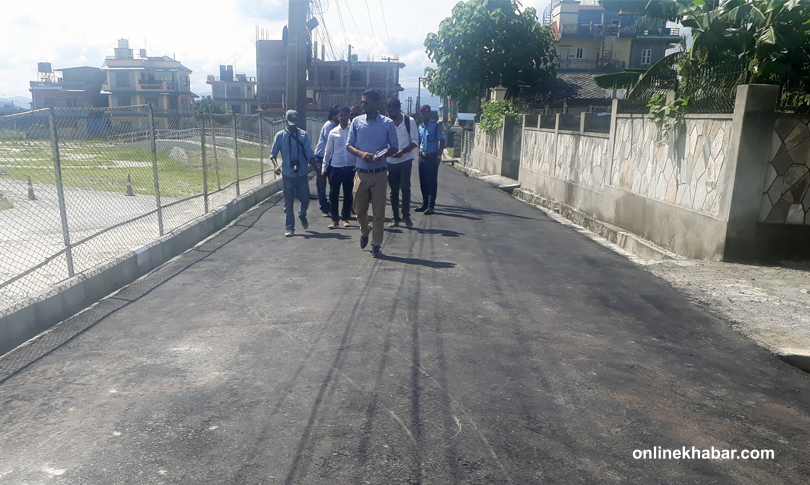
{"x":699,"y":194}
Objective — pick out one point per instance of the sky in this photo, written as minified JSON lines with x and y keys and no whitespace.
{"x":84,"y":32}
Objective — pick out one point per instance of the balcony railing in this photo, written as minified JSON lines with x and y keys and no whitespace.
{"x":601,"y":30}
{"x":591,"y":64}
{"x":150,"y":85}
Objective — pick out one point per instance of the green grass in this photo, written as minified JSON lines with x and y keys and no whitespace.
{"x":6,"y":204}
{"x":8,"y":135}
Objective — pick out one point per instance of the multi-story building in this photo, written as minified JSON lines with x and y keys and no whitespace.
{"x":234,"y":92}
{"x":72,"y":87}
{"x":160,"y":81}
{"x":328,"y":83}
{"x":591,"y":41}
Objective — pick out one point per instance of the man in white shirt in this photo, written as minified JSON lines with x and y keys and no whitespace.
{"x":338,"y":166}
{"x":401,"y":163}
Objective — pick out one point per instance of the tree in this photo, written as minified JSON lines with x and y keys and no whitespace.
{"x":486,"y":44}
{"x":208,"y":106}
{"x":771,"y":38}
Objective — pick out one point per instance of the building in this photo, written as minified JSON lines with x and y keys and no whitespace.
{"x":160,"y":81}
{"x":234,"y":92}
{"x":591,"y":41}
{"x":328,"y":82}
{"x":73,"y":87}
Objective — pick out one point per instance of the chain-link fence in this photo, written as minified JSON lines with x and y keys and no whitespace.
{"x":79,"y":187}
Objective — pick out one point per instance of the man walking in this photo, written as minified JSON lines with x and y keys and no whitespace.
{"x":338,"y":166}
{"x":401,"y":163}
{"x":296,"y":160}
{"x":431,"y":137}
{"x":372,"y":137}
{"x":320,"y":148}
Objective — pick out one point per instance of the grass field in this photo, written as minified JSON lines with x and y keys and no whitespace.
{"x":101,"y":166}
{"x":6,"y":204}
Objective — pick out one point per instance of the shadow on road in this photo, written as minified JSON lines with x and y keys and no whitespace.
{"x":419,"y":262}
{"x":454,"y":211}
{"x":324,"y":235}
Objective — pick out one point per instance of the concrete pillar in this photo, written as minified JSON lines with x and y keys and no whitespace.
{"x":748,"y":154}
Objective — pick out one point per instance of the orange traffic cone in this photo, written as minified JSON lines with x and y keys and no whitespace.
{"x":129,"y":187}
{"x":31,"y":195}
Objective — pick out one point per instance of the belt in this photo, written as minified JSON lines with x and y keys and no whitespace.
{"x":372,"y":170}
{"x":347,"y":167}
{"x":426,"y":154}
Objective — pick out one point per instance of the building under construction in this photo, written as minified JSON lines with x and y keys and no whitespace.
{"x":328,"y":82}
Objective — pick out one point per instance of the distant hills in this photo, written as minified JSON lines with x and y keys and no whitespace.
{"x":18,"y":101}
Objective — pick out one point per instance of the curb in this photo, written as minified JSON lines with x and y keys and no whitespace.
{"x":625,"y":240}
{"x":28,"y":319}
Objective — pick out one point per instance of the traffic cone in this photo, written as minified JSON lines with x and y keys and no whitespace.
{"x":31,"y":195}
{"x":129,"y":187}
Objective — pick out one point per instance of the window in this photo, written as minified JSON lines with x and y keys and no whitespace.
{"x":50,"y":101}
{"x":580,"y":53}
{"x":356,"y":76}
{"x":154,"y":101}
{"x":646,"y":56}
{"x":234,"y":92}
{"x":122,"y":79}
{"x":332,"y":75}
{"x":236,"y":108}
{"x":124,"y":101}
{"x":71,"y":101}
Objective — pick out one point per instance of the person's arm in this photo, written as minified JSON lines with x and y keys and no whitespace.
{"x":393,"y":140}
{"x":414,"y":137}
{"x":440,"y":136}
{"x":274,"y":152}
{"x":330,"y":151}
{"x":350,"y":147}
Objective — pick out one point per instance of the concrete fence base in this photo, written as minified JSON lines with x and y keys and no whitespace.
{"x":28,"y":319}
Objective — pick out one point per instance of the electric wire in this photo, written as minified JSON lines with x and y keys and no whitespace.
{"x":385,"y":23}
{"x":370,"y":22}
{"x":362,"y":39}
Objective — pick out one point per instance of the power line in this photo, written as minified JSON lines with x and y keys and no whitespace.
{"x":370,"y":23}
{"x":385,"y":23}
{"x":362,"y":39}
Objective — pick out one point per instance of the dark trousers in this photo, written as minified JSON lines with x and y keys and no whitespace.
{"x":341,"y":177}
{"x":323,"y":204}
{"x":429,"y":179}
{"x":399,"y":178}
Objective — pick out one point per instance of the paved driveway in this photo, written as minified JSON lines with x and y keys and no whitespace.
{"x":491,"y":345}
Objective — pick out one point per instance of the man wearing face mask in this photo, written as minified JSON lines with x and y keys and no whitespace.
{"x":296,"y":160}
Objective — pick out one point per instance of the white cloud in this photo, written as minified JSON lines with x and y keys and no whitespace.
{"x":83,"y":32}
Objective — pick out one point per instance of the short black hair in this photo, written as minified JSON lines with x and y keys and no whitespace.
{"x":393,"y":102}
{"x":372,"y":94}
{"x":344,"y":108}
{"x":333,"y":111}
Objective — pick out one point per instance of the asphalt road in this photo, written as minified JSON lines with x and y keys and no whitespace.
{"x":491,"y":345}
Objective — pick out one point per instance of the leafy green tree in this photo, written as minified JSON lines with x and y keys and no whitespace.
{"x":486,"y":44}
{"x":770,"y":37}
{"x":208,"y":106}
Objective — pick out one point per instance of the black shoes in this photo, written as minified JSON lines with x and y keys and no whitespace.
{"x":429,"y":211}
{"x":376,"y":252}
{"x":363,"y":241}
{"x":408,"y":222}
{"x":421,"y":209}
{"x":304,"y":222}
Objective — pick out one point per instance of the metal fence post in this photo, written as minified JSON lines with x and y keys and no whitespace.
{"x":204,"y":166}
{"x":236,"y":154}
{"x":214,"y":142}
{"x":57,"y":169}
{"x":153,"y":143}
{"x":261,"y":147}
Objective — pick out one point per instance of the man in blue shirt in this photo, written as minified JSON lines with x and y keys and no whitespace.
{"x":372,"y":138}
{"x":431,"y":138}
{"x":296,"y":160}
{"x":320,"y":148}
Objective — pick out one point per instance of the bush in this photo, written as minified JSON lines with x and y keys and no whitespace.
{"x":11,"y":135}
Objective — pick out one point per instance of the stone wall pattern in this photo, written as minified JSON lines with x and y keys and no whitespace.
{"x":785,"y":197}
{"x":685,"y":173}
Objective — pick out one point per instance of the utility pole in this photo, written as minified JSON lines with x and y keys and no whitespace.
{"x":410,"y":101}
{"x":349,"y":76}
{"x":419,"y":94}
{"x":297,"y":59}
